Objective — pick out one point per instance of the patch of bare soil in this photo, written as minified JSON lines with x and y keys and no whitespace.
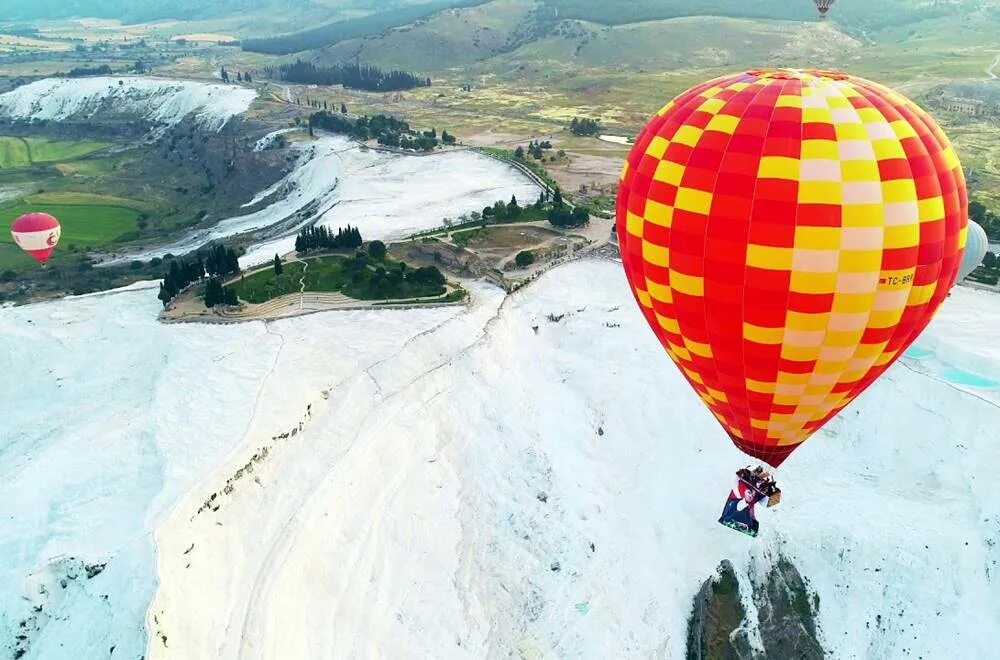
{"x":588,"y":170}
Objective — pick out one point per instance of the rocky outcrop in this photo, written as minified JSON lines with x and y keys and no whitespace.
{"x":783,"y":620}
{"x":714,"y":629}
{"x":787,"y":613}
{"x":456,"y":260}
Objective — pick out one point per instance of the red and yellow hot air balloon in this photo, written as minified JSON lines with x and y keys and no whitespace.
{"x":787,"y":234}
{"x":37,"y":234}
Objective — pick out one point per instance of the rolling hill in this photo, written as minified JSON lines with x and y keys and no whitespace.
{"x":500,"y":35}
{"x":148,"y":10}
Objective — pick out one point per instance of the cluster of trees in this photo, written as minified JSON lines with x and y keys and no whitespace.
{"x":216,"y":294}
{"x":986,"y":218}
{"x":240,"y":76}
{"x":335,"y":123}
{"x":322,"y":105}
{"x":560,"y":214}
{"x":312,"y":238}
{"x":585,"y":126}
{"x":83,"y":71}
{"x":535,"y":149}
{"x":524,"y":258}
{"x":563,"y":217}
{"x":381,"y":124}
{"x":377,"y":250}
{"x":354,"y":76}
{"x":555,"y":210}
{"x":417,"y":143}
{"x":219,"y":261}
{"x":426,"y":276}
{"x":502,"y":211}
{"x":180,"y":274}
{"x":371,"y":273}
{"x":388,"y":130}
{"x":398,"y":280}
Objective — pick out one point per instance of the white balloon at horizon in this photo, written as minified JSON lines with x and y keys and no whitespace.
{"x":976,"y":245}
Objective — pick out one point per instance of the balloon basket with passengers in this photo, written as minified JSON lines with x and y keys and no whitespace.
{"x":787,"y":234}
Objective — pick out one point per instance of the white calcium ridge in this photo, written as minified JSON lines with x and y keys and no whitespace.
{"x":162,"y":101}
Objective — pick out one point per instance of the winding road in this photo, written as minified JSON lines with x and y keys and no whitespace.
{"x":302,"y":283}
{"x":989,"y":71}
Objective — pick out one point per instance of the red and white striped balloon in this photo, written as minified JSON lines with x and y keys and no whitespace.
{"x":37,"y":234}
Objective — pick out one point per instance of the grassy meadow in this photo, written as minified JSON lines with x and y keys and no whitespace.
{"x":332,"y":273}
{"x":24,"y":152}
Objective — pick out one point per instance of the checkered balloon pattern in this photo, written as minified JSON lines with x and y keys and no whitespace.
{"x":787,"y":234}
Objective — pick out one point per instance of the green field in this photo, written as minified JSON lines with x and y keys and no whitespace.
{"x":51,"y":151}
{"x":265,"y":285}
{"x":83,"y":224}
{"x":84,"y":199}
{"x":87,"y":220}
{"x":331,"y":274}
{"x":14,"y":152}
{"x":13,"y":258}
{"x":22,"y":152}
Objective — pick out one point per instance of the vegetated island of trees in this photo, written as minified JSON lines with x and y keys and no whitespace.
{"x":536,"y":149}
{"x":84,"y":71}
{"x":217,"y":263}
{"x":368,"y":274}
{"x":387,"y":130}
{"x":588,"y":127}
{"x":354,"y":76}
{"x":104,"y":70}
{"x":547,"y":207}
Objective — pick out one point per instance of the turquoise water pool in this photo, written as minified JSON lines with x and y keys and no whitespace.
{"x":960,"y":377}
{"x":946,"y":372}
{"x":917,"y":353}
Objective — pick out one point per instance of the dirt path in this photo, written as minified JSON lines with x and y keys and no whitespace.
{"x":302,"y":284}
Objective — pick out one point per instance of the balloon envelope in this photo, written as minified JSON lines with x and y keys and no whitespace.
{"x":976,"y":245}
{"x":823,"y":6}
{"x":37,"y":234}
{"x":787,"y":234}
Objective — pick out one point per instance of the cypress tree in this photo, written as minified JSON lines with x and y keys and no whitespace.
{"x":174,"y":277}
{"x":233,"y":260}
{"x":210,"y":295}
{"x":164,"y":294}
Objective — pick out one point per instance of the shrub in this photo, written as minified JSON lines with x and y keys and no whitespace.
{"x":376,"y":249}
